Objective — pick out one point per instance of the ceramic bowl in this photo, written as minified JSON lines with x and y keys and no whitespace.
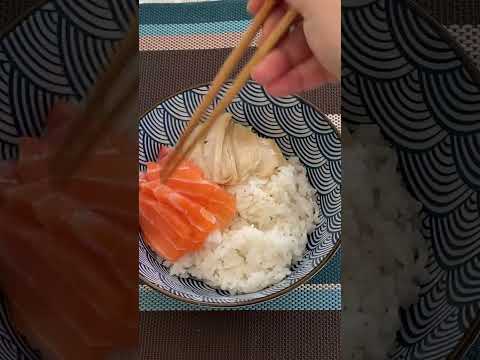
{"x":403,"y":71}
{"x":300,"y":131}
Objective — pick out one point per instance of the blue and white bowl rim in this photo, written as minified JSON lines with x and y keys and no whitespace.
{"x":239,"y":304}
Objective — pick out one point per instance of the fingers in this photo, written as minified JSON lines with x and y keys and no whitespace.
{"x":271,"y":22}
{"x":291,"y":52}
{"x":304,"y":6}
{"x":254,"y":5}
{"x":292,"y":66}
{"x":306,"y":76}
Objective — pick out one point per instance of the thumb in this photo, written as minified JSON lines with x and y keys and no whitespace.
{"x":304,"y":7}
{"x":322,"y":27}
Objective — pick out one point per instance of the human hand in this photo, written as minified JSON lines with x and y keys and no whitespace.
{"x":310,"y":55}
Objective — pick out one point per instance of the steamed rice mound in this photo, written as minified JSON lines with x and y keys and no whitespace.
{"x":266,"y":238}
{"x":381,"y":234}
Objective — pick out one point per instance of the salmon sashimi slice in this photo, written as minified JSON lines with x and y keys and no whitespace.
{"x":202,"y":223}
{"x":158,"y":235}
{"x":54,"y":338}
{"x":49,"y":240}
{"x":108,"y":159}
{"x":8,"y":178}
{"x":33,"y":159}
{"x":186,"y":236}
{"x":84,"y":238}
{"x":8,"y":174}
{"x":178,"y":224}
{"x":59,"y":118}
{"x":59,"y":121}
{"x":18,"y":199}
{"x":178,"y":233}
{"x":163,"y":155}
{"x":146,"y":190}
{"x":103,"y":194}
{"x":89,"y":246}
{"x":126,"y":220}
{"x":35,"y":152}
{"x":57,"y":240}
{"x":187,"y":197}
{"x":50,"y":259}
{"x":109,"y":164}
{"x":198,"y":217}
{"x":33,"y":163}
{"x":63,"y":114}
{"x":24,"y":246}
{"x":188,"y":179}
{"x":115,"y":245}
{"x":214,"y":198}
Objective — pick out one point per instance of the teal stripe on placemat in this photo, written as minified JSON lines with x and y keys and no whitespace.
{"x":331,"y":273}
{"x":306,"y":297}
{"x":194,"y":13}
{"x":193,"y":29}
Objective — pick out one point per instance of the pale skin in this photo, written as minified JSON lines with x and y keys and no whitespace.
{"x":310,"y":55}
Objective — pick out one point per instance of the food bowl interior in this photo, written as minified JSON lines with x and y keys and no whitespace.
{"x":300,"y":131}
{"x":419,"y":88}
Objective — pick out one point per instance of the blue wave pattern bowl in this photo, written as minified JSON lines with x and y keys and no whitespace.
{"x":13,"y":346}
{"x":299,"y":130}
{"x":404,"y":72}
{"x":54,"y":52}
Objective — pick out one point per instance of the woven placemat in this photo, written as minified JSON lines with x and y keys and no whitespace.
{"x":249,"y":335}
{"x":12,"y":10}
{"x":460,"y":12}
{"x":183,"y":46}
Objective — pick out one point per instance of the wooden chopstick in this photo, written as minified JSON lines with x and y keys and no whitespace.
{"x":183,"y":149}
{"x":128,"y":47}
{"x":85,"y":132}
{"x":225,"y":71}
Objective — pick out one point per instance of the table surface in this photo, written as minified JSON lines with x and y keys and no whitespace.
{"x":170,"y":1}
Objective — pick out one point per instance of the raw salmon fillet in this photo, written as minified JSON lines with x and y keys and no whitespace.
{"x":70,"y":253}
{"x":178,"y":216}
{"x":211,"y":196}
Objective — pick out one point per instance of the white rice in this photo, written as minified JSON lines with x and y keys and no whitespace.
{"x":268,"y":235}
{"x":383,"y":251}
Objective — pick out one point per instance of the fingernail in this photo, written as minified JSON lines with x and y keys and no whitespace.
{"x":253,"y":74}
{"x":249,"y":6}
{"x":262,"y":74}
{"x":256,"y":75}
